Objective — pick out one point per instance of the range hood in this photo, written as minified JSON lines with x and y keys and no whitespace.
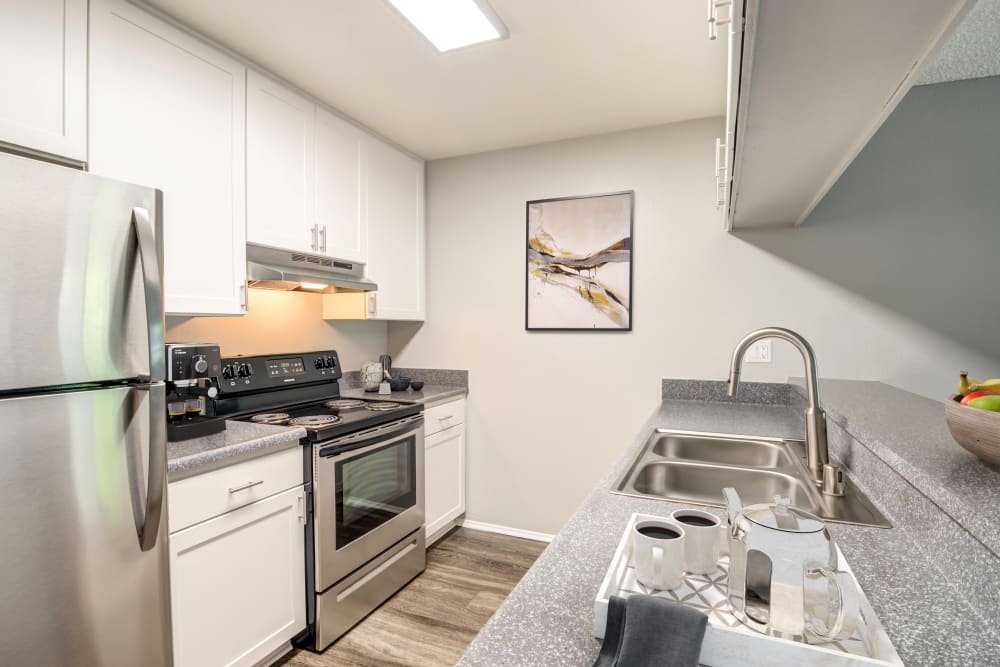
{"x":291,"y":271}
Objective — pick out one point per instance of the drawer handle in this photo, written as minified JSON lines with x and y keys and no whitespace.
{"x":349,"y":591}
{"x":248,"y":485}
{"x":444,"y":417}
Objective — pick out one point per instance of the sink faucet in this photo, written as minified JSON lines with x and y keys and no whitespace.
{"x":825,"y":475}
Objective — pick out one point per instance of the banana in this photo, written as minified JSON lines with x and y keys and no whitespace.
{"x":993,"y":384}
{"x":964,"y":383}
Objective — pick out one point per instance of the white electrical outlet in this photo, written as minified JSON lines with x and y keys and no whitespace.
{"x":759,"y":352}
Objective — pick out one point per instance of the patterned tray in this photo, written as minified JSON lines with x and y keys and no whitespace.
{"x":727,"y":640}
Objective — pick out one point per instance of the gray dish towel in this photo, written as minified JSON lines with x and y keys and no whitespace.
{"x":646,"y":631}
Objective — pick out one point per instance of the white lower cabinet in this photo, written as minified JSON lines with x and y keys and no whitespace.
{"x":237,"y":580}
{"x":444,"y":467}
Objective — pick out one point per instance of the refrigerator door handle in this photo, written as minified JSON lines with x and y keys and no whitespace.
{"x":148,"y":513}
{"x":152,"y":284}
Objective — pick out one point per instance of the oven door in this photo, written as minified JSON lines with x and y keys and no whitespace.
{"x":368,"y":495}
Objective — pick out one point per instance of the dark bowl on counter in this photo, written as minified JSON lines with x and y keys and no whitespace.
{"x":417,"y":385}
{"x":399,"y":384}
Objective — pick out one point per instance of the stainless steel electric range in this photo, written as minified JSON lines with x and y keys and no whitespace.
{"x":364,"y":479}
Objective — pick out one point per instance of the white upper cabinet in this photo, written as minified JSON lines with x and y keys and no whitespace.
{"x":303,"y":174}
{"x":339,"y":187}
{"x":43,"y":45}
{"x":395,"y":212}
{"x":168,"y":111}
{"x":810,"y":83}
{"x":281,"y":167}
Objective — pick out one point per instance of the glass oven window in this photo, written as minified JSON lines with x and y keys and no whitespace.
{"x":374,"y":487}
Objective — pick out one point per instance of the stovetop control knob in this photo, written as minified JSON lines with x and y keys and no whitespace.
{"x":330,"y":362}
{"x":244,"y":370}
{"x":199,"y":364}
{"x":320,"y":363}
{"x":228,"y":372}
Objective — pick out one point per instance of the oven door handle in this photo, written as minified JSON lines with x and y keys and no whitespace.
{"x":337,"y":450}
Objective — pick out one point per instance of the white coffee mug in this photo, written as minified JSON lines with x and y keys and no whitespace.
{"x":701,"y":539}
{"x":658,"y":553}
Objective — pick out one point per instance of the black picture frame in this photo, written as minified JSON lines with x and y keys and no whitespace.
{"x":629,"y":240}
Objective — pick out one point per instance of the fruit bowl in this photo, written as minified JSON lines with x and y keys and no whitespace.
{"x":976,"y":430}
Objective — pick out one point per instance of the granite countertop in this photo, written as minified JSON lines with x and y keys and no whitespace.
{"x":428,"y":395}
{"x":239,"y":442}
{"x":910,"y":434}
{"x":548,"y":618}
{"x":440,"y":385}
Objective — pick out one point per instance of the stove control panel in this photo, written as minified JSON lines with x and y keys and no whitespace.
{"x":267,"y":371}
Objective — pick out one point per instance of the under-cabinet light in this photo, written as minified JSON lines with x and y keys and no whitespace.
{"x":452,"y":24}
{"x":313,"y":285}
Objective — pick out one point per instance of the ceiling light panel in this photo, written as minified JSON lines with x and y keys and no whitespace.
{"x":452,"y":24}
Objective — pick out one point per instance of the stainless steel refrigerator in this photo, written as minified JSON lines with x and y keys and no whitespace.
{"x":83,"y":529}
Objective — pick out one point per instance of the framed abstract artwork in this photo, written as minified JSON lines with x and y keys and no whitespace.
{"x":579,"y":263}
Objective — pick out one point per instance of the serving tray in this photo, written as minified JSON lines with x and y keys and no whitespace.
{"x":728,"y":643}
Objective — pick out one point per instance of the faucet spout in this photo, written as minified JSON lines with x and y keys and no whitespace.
{"x":817,"y":451}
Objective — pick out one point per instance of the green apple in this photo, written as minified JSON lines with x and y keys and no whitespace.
{"x":991,"y":403}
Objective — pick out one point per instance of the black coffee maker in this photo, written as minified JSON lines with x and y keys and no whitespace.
{"x":192,"y":372}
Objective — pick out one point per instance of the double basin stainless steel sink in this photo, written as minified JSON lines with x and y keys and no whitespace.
{"x":693,"y":467}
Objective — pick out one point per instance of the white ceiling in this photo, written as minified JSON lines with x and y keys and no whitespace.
{"x":972,"y":51}
{"x":570,"y":67}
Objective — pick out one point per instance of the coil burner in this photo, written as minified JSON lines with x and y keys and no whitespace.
{"x":277,"y":418}
{"x":344,"y":403}
{"x":315,"y":421}
{"x":380,"y":406}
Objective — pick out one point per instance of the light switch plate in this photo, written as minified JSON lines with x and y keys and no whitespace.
{"x":759,"y":352}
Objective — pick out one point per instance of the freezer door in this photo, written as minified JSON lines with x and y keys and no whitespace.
{"x":84,"y":558}
{"x":80,"y":277}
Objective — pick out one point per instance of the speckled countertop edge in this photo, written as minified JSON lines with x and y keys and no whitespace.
{"x":548,"y":618}
{"x":239,"y":442}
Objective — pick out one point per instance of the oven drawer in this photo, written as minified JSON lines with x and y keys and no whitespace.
{"x":355,"y":597}
{"x":213,"y":493}
{"x":444,"y":416}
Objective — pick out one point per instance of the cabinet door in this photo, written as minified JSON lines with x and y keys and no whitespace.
{"x":168,"y":111}
{"x":43,"y":45}
{"x":281,"y":170}
{"x":395,"y":206}
{"x":338,"y":188}
{"x":444,"y":478}
{"x":237,"y":583}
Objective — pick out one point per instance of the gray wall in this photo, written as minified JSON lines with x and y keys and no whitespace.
{"x":914,"y":223}
{"x":549,"y":412}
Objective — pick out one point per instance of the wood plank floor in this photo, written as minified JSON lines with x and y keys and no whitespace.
{"x":431,"y":621}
